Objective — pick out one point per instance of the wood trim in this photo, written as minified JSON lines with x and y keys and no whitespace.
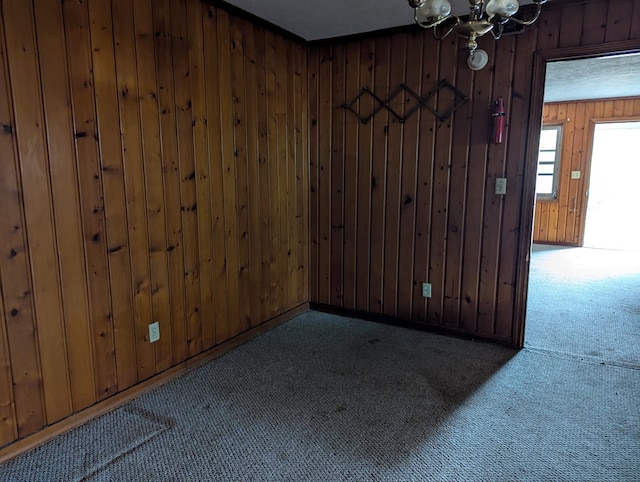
{"x":135,"y":391}
{"x":528,"y":194}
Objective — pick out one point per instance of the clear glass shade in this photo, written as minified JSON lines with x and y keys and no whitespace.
{"x":501,"y":8}
{"x":435,"y":9}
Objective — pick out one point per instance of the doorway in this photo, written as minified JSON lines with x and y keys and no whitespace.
{"x":582,"y":301}
{"x":614,"y":199}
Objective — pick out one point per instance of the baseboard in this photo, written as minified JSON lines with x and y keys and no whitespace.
{"x":32,"y":441}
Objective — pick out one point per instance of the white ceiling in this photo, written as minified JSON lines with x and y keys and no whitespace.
{"x":323,"y":19}
{"x":597,"y":78}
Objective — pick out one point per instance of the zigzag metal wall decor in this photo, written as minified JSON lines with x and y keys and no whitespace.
{"x":459,"y":100}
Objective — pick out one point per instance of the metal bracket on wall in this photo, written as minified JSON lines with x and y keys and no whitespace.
{"x":420,"y":101}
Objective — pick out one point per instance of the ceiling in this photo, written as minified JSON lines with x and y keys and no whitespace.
{"x":605,"y":77}
{"x":323,"y":19}
{"x":595,"y":78}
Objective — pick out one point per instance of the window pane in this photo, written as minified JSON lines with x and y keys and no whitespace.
{"x":544,"y":185}
{"x":547,"y":157}
{"x":546,"y":169}
{"x":548,"y":138}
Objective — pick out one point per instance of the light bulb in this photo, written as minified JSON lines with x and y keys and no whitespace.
{"x":502,"y":8}
{"x":435,"y":9}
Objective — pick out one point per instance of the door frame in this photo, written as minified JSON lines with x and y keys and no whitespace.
{"x":531,"y":159}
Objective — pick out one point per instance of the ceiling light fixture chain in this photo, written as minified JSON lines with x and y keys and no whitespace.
{"x":484,"y":17}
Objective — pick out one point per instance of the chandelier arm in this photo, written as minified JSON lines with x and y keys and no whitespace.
{"x":498,"y":34}
{"x":435,"y":23}
{"x":441,"y":37}
{"x":530,"y":21}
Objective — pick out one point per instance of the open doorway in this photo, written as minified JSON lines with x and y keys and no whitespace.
{"x":584,"y":301}
{"x":613,"y":201}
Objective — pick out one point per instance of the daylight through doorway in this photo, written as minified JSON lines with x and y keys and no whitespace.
{"x":614,"y":199}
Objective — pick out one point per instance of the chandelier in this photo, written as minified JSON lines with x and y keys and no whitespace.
{"x":483,"y":19}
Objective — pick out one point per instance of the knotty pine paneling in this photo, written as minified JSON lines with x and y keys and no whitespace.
{"x":154,"y":168}
{"x":395,"y":204}
{"x":562,"y":220}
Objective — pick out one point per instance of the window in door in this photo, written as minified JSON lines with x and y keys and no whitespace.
{"x":549,"y":162}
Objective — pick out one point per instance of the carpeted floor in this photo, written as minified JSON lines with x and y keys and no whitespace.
{"x":328,"y":398}
{"x":585,"y":302}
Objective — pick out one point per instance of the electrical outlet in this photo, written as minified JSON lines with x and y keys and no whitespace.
{"x":154,"y":332}
{"x":426,"y":290}
{"x":575,"y":174}
{"x":501,"y":185}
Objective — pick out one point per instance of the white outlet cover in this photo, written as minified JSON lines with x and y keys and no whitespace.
{"x":426,"y":290}
{"x":575,"y":174}
{"x":501,"y":185}
{"x":154,"y":332}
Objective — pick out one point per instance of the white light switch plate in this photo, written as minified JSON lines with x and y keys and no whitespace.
{"x":575,"y":174}
{"x":501,"y":185}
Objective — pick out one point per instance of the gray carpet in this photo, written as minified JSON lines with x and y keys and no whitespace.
{"x":585,"y":302}
{"x":328,"y":398}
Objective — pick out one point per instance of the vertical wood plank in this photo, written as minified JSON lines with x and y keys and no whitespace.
{"x":186,"y":171}
{"x":282,"y":69}
{"x":409,"y":179}
{"x":64,"y":187}
{"x":364,"y":106}
{"x":127,"y":81}
{"x":257,"y":284}
{"x":380,"y":122}
{"x":201,"y":165}
{"x":394,"y":169}
{"x":291,"y":288}
{"x":214,"y":144}
{"x":457,"y":201}
{"x":325,"y":107}
{"x":238,"y":90}
{"x":337,"y":160}
{"x":351,"y":167}
{"x":494,"y":204}
{"x":426,"y":145}
{"x":170,"y":162}
{"x":618,"y":20}
{"x":571,"y":25}
{"x":304,"y":295}
{"x":36,"y":193}
{"x":263,"y":173}
{"x":634,"y":31}
{"x":112,"y":203}
{"x":8,"y":425}
{"x":229,"y":172}
{"x":547,"y":26}
{"x":301,"y":176}
{"x":314,"y":83}
{"x":476,"y":193}
{"x":15,"y":284}
{"x":441,"y":185}
{"x":154,"y":180}
{"x":594,"y":24}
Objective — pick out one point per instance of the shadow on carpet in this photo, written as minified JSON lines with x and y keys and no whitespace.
{"x":324,"y":397}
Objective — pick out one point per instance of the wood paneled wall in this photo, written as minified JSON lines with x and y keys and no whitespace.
{"x":153,"y":168}
{"x":562,"y":220}
{"x":397,"y":204}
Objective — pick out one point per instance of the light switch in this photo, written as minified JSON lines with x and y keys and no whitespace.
{"x":575,"y":174}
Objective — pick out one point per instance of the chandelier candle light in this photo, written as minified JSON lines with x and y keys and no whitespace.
{"x":484,"y":17}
